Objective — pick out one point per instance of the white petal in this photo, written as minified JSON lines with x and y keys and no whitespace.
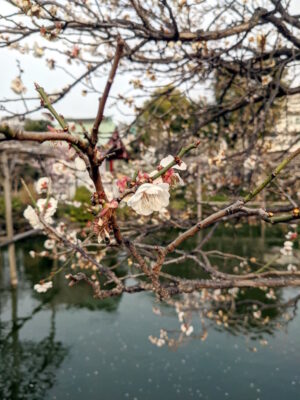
{"x":181,"y":167}
{"x":166,"y":161}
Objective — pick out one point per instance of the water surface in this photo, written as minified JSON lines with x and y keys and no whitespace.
{"x":66,"y":345}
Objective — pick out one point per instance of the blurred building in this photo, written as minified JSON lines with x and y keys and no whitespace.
{"x":287,"y":129}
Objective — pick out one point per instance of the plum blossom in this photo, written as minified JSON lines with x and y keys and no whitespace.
{"x":291,"y":235}
{"x":122,"y":183}
{"x":17,"y":86}
{"x":159,"y":342}
{"x":43,"y":287}
{"x":47,"y":208}
{"x":37,"y":50}
{"x":43,"y":185}
{"x":171,"y":177}
{"x":287,"y":249}
{"x":49,"y":244}
{"x":31,"y":215}
{"x":32,"y":254}
{"x":271,"y":295}
{"x":149,"y":198}
{"x":257,"y":314}
{"x":167,"y":160}
{"x":72,"y":237}
{"x":187,"y":329}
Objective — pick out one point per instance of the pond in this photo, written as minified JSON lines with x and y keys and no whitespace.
{"x":66,"y":345}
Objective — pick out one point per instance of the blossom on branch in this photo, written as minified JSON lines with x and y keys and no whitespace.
{"x":31,"y":215}
{"x":17,"y":86}
{"x":43,"y":287}
{"x":49,"y":244}
{"x":287,"y":249}
{"x":149,"y":198}
{"x":47,"y":208}
{"x":43,"y":185}
{"x":181,"y":166}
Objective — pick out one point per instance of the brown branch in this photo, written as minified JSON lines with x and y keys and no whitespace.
{"x":102,"y":103}
{"x":15,"y":134}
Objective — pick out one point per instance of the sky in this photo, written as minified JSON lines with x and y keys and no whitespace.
{"x":75,"y":105}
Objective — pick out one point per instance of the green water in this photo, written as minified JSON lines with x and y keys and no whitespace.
{"x":66,"y":345}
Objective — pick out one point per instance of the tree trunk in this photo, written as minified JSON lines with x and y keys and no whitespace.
{"x":9,"y":222}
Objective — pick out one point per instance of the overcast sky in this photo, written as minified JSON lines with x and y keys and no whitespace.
{"x":74,"y":105}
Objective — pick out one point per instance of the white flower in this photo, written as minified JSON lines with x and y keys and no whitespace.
{"x":180,"y":316}
{"x":31,"y":215}
{"x":49,"y":244}
{"x":157,"y":180}
{"x":164,"y":214}
{"x":72,"y":237}
{"x":43,"y":185}
{"x":77,"y":204}
{"x":287,"y":249}
{"x":79,"y":164}
{"x":150,"y":197}
{"x":257,"y":314}
{"x":37,"y":50}
{"x":17,"y":86}
{"x":157,"y":341}
{"x":61,"y":227}
{"x":167,"y":160}
{"x":271,"y":295}
{"x":42,"y":288}
{"x":187,"y":329}
{"x":32,"y":254}
{"x":47,"y":208}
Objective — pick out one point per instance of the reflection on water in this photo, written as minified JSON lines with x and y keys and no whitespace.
{"x":64,"y":344}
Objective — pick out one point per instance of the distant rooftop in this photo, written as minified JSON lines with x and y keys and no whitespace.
{"x":106,"y":129}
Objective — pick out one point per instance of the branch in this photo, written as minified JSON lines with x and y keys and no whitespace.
{"x":102,"y":103}
{"x":15,"y":134}
{"x":272,"y":176}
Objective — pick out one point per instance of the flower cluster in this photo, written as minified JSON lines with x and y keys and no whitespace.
{"x":155,"y":196}
{"x":287,"y":249}
{"x":46,"y":207}
{"x":43,"y":287}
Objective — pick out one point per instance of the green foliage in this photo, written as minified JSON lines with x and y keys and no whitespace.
{"x":39,"y":125}
{"x":77,"y":214}
{"x":167,"y":113}
{"x":82,"y":194}
{"x":17,"y":209}
{"x":74,"y":214}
